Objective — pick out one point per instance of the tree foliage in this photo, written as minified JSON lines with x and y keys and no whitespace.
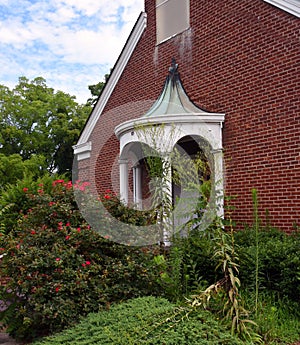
{"x":96,"y":90}
{"x":36,"y":120}
{"x":13,"y":168}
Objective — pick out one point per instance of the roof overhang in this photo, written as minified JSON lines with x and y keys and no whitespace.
{"x":290,"y":6}
{"x":178,"y":119}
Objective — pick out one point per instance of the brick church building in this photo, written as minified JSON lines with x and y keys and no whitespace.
{"x":224,"y":73}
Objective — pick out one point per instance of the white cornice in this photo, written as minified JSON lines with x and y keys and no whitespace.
{"x":83,"y":151}
{"x":290,"y":6}
{"x":168,"y":119}
{"x":80,"y":148}
{"x":114,"y":77}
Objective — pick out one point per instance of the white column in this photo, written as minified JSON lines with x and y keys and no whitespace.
{"x":167,"y":220}
{"x":137,"y":186}
{"x":218,"y":181}
{"x":123,"y":164}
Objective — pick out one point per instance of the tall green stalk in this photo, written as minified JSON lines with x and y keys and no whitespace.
{"x":256,"y":228}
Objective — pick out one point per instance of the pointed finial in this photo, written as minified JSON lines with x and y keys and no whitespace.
{"x":173,"y":68}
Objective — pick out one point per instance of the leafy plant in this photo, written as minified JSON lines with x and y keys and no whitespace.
{"x":35,"y":120}
{"x":225,"y":292}
{"x":279,"y":261}
{"x":146,"y":321}
{"x":256,"y":228}
{"x":60,"y":269}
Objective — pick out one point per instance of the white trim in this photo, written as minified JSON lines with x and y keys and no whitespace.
{"x":114,"y":78}
{"x":83,"y":151}
{"x":166,"y":119}
{"x":83,"y":155}
{"x":290,"y":6}
{"x":79,"y":148}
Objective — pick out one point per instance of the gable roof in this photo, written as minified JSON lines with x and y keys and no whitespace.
{"x":83,"y":145}
{"x":116,"y":73}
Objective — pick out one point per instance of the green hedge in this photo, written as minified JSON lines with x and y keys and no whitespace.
{"x":191,"y":263}
{"x":279,"y":261}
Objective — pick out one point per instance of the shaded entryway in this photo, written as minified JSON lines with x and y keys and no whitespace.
{"x":173,"y":122}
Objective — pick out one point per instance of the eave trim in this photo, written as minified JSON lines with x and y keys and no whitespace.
{"x":290,"y":6}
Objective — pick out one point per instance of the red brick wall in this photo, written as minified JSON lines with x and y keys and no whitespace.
{"x":240,"y":58}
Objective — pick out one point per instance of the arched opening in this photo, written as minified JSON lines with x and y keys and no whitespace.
{"x":184,"y":136}
{"x":198,"y":150}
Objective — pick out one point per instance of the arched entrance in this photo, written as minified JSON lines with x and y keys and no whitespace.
{"x":173,"y":123}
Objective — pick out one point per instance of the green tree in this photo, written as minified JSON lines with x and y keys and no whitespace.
{"x":96,"y":90}
{"x":36,"y":120}
{"x":13,"y":168}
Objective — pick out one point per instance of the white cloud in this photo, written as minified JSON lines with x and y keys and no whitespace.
{"x":70,"y":43}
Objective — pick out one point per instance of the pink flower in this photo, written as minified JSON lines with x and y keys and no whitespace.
{"x":32,"y":232}
{"x":57,"y":259}
{"x":60,"y":226}
{"x":69,"y":185}
{"x":68,"y":224}
{"x":41,"y":184}
{"x":54,"y":183}
{"x":106,"y":196}
{"x":40,"y":191}
{"x":57,"y":288}
{"x":87,"y":263}
{"x":25,"y":189}
{"x":67,"y":237}
{"x":78,"y":229}
{"x":51,"y":203}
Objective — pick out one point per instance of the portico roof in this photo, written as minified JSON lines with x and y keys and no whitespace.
{"x":173,"y":99}
{"x":174,"y":107}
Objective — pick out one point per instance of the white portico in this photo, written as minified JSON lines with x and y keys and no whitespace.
{"x":182,"y":123}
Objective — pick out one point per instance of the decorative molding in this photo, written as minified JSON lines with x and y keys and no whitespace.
{"x":79,"y":148}
{"x":83,"y":151}
{"x":83,"y":155}
{"x":290,"y":6}
{"x":130,"y":125}
{"x":114,"y":77}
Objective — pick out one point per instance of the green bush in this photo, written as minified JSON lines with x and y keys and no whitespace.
{"x":15,"y":199}
{"x":279,"y":261}
{"x":59,"y":268}
{"x":146,"y":320}
{"x":127,"y":215}
{"x":188,"y":265}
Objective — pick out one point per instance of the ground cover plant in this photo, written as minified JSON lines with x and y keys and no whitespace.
{"x":146,"y":320}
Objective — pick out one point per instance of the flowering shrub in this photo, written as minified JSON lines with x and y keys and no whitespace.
{"x":126,"y":214}
{"x":60,"y":269}
{"x":21,"y":197}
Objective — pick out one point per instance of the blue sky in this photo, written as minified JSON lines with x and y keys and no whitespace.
{"x":70,"y":43}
